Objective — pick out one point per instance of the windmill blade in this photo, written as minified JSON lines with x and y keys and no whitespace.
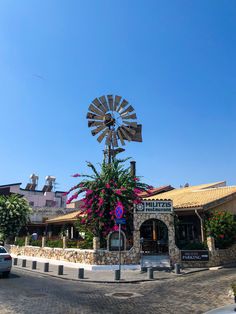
{"x":109,"y":138}
{"x":127,"y":110}
{"x":114,"y":139}
{"x":126,"y":136}
{"x":97,"y":103}
{"x":120,"y":136}
{"x":110,"y":102}
{"x":133,"y":124}
{"x":101,"y":136}
{"x":95,"y":110}
{"x":129,"y":129}
{"x":97,"y":130}
{"x":117,"y":101}
{"x":94,"y":123}
{"x":93,"y":116}
{"x":103,"y":100}
{"x":138,"y":134}
{"x":131,"y":116}
{"x":123,"y":104}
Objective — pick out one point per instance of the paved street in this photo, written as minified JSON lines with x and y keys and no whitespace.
{"x":33,"y":293}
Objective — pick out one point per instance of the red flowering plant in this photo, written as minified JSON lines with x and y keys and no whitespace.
{"x":103,"y":191}
{"x":222,"y":226}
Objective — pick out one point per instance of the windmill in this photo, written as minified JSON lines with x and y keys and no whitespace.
{"x":113,"y":120}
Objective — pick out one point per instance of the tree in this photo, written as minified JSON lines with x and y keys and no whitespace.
{"x":103,"y":191}
{"x":221,"y":225}
{"x":14,"y":214}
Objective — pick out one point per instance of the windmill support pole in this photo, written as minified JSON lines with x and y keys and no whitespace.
{"x":109,"y":154}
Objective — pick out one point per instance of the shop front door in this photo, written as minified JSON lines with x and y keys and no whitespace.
{"x":154,"y":237}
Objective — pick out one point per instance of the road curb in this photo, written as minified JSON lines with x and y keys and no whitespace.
{"x":108,"y":281}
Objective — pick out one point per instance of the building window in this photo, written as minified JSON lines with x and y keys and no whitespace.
{"x":50,"y":203}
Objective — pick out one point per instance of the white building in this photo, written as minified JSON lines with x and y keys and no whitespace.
{"x":45,"y":203}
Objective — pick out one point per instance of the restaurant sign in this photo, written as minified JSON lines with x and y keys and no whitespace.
{"x":154,"y":207}
{"x":191,"y":256}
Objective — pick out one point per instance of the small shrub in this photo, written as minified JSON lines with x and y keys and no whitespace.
{"x":35,"y":242}
{"x":54,"y":243}
{"x":84,"y":244}
{"x":20,"y":241}
{"x":71,"y":244}
{"x":195,"y":246}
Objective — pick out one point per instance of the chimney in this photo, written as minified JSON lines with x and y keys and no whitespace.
{"x":133,"y":168}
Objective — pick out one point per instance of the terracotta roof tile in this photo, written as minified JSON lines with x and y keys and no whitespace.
{"x":197,"y":196}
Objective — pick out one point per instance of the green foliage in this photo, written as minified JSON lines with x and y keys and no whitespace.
{"x":14,"y":214}
{"x":20,"y":241}
{"x":105,"y":189}
{"x":221,"y":225}
{"x":85,"y":244}
{"x":72,"y":244}
{"x":35,"y":242}
{"x":194,"y":246}
{"x":54,"y":243}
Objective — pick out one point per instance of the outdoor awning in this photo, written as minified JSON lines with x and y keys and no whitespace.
{"x":67,"y":218}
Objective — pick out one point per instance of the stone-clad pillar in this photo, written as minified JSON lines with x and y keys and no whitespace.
{"x":211,"y":244}
{"x":96,"y":243}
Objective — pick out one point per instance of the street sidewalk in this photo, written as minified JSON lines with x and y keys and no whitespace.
{"x":70,"y":271}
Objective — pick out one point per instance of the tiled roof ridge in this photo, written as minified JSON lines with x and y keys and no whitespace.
{"x":215,"y":188}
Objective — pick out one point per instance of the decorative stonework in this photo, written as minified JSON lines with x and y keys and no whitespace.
{"x":104,"y":257}
{"x":90,"y":257}
{"x":211,"y":243}
{"x":168,"y":220}
{"x":96,"y":243}
{"x":109,"y":238}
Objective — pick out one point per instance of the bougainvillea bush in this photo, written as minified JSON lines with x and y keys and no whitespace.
{"x":113,"y":185}
{"x":222,"y":226}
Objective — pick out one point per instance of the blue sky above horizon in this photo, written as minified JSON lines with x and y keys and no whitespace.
{"x":174,"y":61}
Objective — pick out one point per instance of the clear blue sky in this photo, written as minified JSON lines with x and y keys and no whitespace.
{"x":175,"y":61}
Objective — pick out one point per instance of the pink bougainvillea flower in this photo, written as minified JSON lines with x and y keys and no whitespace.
{"x":118,"y":192}
{"x":101,"y":201}
{"x":136,"y":179}
{"x":137,"y":191}
{"x":75,"y":175}
{"x":108,"y":186}
{"x":88,"y":192}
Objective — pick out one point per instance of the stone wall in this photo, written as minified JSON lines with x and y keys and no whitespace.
{"x":131,"y":257}
{"x":90,"y":257}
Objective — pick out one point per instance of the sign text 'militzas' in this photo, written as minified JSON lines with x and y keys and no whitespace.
{"x":155,"y":207}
